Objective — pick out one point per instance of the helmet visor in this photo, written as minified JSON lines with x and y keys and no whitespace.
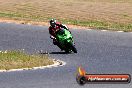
{"x":53,"y":24}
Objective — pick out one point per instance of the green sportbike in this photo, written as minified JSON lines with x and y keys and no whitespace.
{"x":65,"y":40}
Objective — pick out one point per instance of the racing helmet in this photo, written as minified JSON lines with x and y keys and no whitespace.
{"x":52,"y":22}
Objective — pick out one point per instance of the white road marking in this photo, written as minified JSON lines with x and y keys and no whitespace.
{"x":103,"y":30}
{"x":120,"y":31}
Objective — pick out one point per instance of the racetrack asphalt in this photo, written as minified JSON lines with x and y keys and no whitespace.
{"x":98,"y":52}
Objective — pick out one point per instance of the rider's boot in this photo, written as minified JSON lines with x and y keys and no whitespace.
{"x":55,"y":42}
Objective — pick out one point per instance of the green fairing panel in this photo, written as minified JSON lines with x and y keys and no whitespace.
{"x":64,"y":35}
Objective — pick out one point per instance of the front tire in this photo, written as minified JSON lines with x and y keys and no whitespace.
{"x":73,"y":48}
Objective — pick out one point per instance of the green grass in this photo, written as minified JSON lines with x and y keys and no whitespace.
{"x":98,"y":14}
{"x":94,"y":24}
{"x":19,"y":59}
{"x":19,"y":16}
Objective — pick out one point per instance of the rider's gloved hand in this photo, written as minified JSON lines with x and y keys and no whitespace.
{"x":52,"y":37}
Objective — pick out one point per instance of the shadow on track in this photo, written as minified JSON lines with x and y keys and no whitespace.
{"x":54,"y":53}
{"x":59,"y":53}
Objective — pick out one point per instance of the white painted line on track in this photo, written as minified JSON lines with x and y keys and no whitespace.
{"x":9,"y":22}
{"x":40,"y":25}
{"x":29,"y":24}
{"x":103,"y":30}
{"x":120,"y":31}
{"x":89,"y":29}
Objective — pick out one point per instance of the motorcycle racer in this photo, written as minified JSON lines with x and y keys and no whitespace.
{"x":54,"y":27}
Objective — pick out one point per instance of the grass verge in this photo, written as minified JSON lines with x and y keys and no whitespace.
{"x":101,"y":25}
{"x":94,"y":24}
{"x":113,"y":15}
{"x":18,"y":59}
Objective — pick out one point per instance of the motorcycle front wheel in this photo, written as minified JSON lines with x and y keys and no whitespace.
{"x":73,"y":48}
